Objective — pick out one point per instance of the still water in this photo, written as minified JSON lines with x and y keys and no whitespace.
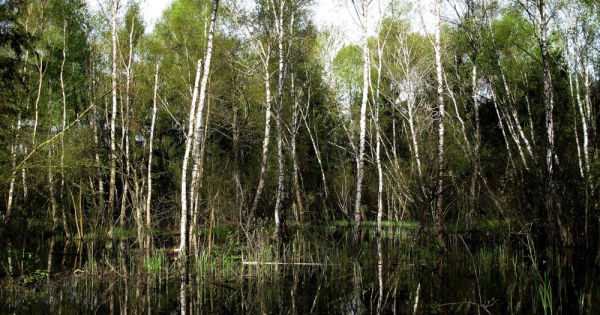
{"x":317,"y":271}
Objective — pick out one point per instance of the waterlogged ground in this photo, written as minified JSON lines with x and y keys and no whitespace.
{"x":316,"y":272}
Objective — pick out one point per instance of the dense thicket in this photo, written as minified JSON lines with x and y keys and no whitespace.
{"x":519,"y":81}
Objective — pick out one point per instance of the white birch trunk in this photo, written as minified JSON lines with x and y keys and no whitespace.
{"x":363,"y":122}
{"x":199,"y":110}
{"x":378,"y":156}
{"x":279,"y":215}
{"x":188,"y":144}
{"x":265,"y":145}
{"x":150,"y":152}
{"x":439,"y":208}
{"x":295,"y":126}
{"x":125,"y":131}
{"x":113,"y":117}
{"x":64,"y":125}
{"x":13,"y":161}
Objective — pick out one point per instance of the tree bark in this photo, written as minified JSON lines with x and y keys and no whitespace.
{"x":184,"y":167}
{"x":125,"y":130}
{"x":279,"y":211}
{"x":62,"y":136}
{"x":363,"y":122}
{"x":265,"y":145}
{"x":378,"y":148}
{"x":113,"y":117}
{"x":150,"y":153}
{"x":439,"y":207}
{"x":194,"y":192}
{"x":295,"y":127}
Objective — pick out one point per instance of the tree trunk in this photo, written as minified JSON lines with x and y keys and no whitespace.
{"x":438,"y":212}
{"x":113,"y":156}
{"x":279,"y":211}
{"x":199,"y":110}
{"x":125,"y":131}
{"x":295,"y":127}
{"x":378,"y":147}
{"x":265,"y":145}
{"x":188,"y":144}
{"x":363,"y":123}
{"x":474,"y":191}
{"x":150,"y":153}
{"x":13,"y":161}
{"x":62,"y":136}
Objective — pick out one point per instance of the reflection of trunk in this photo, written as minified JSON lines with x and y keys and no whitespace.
{"x":379,"y":275}
{"x":439,"y":207}
{"x":113,"y":117}
{"x":357,"y":286}
{"x":188,"y":144}
{"x":51,"y":254}
{"x":198,"y":124}
{"x":150,"y":152}
{"x":265,"y":146}
{"x":294,"y":154}
{"x":363,"y":121}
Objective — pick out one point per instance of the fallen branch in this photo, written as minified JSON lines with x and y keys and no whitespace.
{"x":255,"y":263}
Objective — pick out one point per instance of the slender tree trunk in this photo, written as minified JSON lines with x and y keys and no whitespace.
{"x":363,"y":122}
{"x":584,"y":125}
{"x":188,"y":144}
{"x":439,"y":208}
{"x":199,"y":110}
{"x":265,"y":145}
{"x":378,"y":150}
{"x":92,"y":87}
{"x":510,"y":103}
{"x":474,"y":191}
{"x":548,"y":100}
{"x":295,"y":127}
{"x":501,"y":124}
{"x":51,"y":190}
{"x":239,"y":191}
{"x":279,"y":211}
{"x":150,"y":153}
{"x":575,"y":131}
{"x":13,"y":161}
{"x":315,"y":146}
{"x":125,"y":131}
{"x":62,"y":136}
{"x":113,"y":118}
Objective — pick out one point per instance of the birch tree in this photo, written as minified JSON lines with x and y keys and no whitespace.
{"x":439,"y":192}
{"x":360,"y":160}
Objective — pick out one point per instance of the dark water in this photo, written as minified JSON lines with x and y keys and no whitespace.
{"x":317,"y":272}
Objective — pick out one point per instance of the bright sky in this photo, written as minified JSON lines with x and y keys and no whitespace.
{"x":328,"y":13}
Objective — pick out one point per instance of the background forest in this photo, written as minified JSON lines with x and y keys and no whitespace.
{"x":246,"y":112}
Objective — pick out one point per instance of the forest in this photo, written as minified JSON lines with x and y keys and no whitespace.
{"x":443,"y":158}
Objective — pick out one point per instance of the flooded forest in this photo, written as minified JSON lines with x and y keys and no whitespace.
{"x":256,"y":156}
